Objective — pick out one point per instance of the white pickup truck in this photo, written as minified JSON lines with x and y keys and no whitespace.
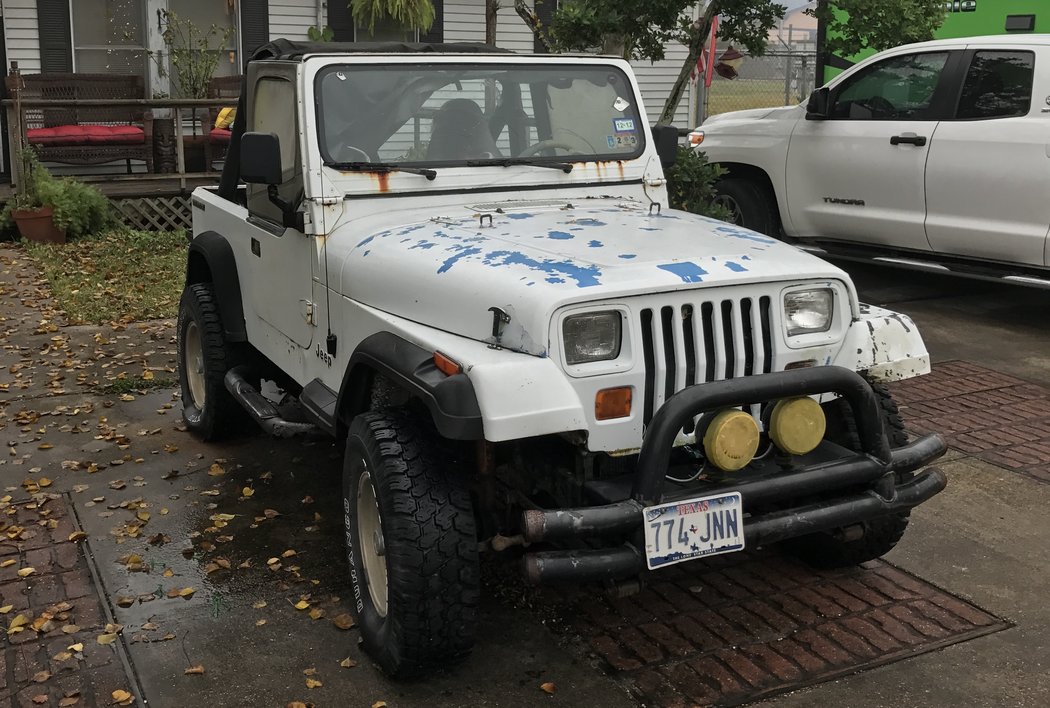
{"x":933,"y":156}
{"x":463,"y":263}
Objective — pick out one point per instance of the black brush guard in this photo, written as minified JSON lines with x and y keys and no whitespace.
{"x":873,"y":470}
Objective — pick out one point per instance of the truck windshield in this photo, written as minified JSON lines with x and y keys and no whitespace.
{"x":449,"y":114}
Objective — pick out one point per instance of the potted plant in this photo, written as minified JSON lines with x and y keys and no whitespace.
{"x":47,"y":209}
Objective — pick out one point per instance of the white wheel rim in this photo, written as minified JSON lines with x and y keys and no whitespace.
{"x":193,"y":361}
{"x":733,"y":207}
{"x":373,"y":545}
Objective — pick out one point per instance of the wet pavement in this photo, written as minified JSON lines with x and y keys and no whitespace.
{"x":227,"y":558}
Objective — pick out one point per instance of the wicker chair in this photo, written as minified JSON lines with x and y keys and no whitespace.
{"x":224,"y":87}
{"x":86,"y":135}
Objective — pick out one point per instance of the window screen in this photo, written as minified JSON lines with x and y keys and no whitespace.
{"x":275,"y":113}
{"x":108,"y":36}
{"x":998,"y":85}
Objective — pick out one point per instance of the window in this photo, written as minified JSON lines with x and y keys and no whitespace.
{"x":275,"y":113}
{"x":998,"y":85}
{"x":220,"y":15}
{"x":900,"y":88}
{"x":108,"y":36}
{"x":457,"y":113}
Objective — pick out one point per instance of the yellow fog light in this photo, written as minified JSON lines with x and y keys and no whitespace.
{"x":731,"y":440}
{"x":797,"y":425}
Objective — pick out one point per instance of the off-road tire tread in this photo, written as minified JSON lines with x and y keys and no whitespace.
{"x":881,"y":535}
{"x":432,"y":552}
{"x":224,"y":414}
{"x":763,"y":206}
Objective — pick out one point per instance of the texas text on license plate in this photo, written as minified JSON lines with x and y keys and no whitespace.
{"x":696,"y":527}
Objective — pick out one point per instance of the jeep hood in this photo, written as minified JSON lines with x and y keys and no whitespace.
{"x":446,"y":272}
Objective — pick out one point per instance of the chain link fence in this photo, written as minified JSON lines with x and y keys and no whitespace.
{"x":779,"y":77}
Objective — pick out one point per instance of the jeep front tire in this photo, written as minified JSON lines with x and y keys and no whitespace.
{"x":204,"y":357}
{"x":411,"y":545}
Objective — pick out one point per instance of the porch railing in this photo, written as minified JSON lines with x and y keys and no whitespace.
{"x":16,"y":122}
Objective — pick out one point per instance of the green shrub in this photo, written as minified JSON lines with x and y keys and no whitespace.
{"x":691,"y":185}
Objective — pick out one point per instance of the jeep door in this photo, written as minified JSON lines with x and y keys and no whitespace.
{"x":858,"y":175}
{"x":282,"y":274}
{"x":988,"y":174}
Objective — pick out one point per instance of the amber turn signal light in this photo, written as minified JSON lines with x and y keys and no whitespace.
{"x":446,"y":365}
{"x":612,"y":403}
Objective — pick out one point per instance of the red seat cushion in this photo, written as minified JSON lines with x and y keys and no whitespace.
{"x":87,"y":135}
{"x":220,"y":135}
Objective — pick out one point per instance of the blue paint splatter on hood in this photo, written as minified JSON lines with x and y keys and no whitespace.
{"x":463,"y":253}
{"x":595,"y":244}
{"x":627,"y":256}
{"x":735,"y":267}
{"x":584,"y":275}
{"x":688,"y":272}
{"x":743,"y":233}
{"x":559,"y":235}
{"x":519,"y":216}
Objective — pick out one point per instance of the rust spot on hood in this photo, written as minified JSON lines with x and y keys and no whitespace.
{"x":600,"y":167}
{"x":382,"y":180}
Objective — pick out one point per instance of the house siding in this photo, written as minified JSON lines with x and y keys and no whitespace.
{"x":292,"y":18}
{"x":22,"y":35}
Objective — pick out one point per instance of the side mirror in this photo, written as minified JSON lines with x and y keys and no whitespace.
{"x":665,"y":139}
{"x":261,"y":159}
{"x":819,"y":105}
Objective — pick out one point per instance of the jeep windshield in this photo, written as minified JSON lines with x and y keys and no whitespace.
{"x":476,"y":115}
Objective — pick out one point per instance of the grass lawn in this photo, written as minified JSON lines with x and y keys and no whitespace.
{"x":122,"y":275}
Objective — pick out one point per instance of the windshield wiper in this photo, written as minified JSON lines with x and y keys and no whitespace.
{"x":381,"y":167}
{"x":565,"y":167}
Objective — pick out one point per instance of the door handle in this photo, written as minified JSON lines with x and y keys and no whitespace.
{"x":908,"y":139}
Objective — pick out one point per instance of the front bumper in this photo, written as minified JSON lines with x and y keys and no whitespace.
{"x":853,"y":488}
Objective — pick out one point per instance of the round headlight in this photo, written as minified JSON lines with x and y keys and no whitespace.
{"x":809,"y":311}
{"x":797,"y":425}
{"x":731,"y":440}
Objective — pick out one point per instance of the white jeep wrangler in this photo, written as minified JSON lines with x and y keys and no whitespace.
{"x":463,"y":262}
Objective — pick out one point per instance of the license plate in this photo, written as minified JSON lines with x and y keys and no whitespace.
{"x":693,"y":528}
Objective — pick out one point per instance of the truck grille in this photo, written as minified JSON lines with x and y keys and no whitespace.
{"x":689,"y":344}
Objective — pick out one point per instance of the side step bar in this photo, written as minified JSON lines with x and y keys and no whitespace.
{"x":261,"y":409}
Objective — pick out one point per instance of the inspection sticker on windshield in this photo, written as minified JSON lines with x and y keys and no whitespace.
{"x":689,"y":529}
{"x":620,"y":104}
{"x":623,"y":125}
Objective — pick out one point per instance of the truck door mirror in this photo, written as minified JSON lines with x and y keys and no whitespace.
{"x":261,"y":159}
{"x":665,"y":139}
{"x":819,"y":105}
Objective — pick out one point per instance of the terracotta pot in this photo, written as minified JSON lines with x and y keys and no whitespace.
{"x":37,"y":225}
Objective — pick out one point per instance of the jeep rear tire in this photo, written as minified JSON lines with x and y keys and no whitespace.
{"x":204,"y":357}
{"x":830,"y":549}
{"x":749,"y":204}
{"x":411,"y":545}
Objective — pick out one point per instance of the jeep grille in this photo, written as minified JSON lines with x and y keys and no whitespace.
{"x":689,"y":344}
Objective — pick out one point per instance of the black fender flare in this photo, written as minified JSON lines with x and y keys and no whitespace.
{"x":211,"y":260}
{"x":451,"y":400}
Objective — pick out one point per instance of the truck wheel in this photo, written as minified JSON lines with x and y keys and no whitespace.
{"x":749,"y":205}
{"x":204,"y":357}
{"x":411,"y":545}
{"x":830,"y":549}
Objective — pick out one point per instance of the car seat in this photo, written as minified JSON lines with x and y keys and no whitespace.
{"x":461,"y":132}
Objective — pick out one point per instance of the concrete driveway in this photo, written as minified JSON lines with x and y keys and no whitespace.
{"x":202,"y":553}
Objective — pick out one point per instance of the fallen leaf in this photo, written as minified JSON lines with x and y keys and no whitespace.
{"x":40,"y":699}
{"x":6,"y":608}
{"x":548,"y":687}
{"x":142,"y":516}
{"x":44,"y":482}
{"x":125,"y":601}
{"x":77,"y":536}
{"x":313,"y":683}
{"x":296,"y":704}
{"x":168,"y":573}
{"x":8,"y":563}
{"x":316,"y":613}
{"x":348,"y":663}
{"x":194,"y":670}
{"x":44,"y":446}
{"x":260,"y":622}
{"x":26,"y":572}
{"x":288,"y":554}
{"x":310,"y":672}
{"x":343,"y":621}
{"x":379,"y":704}
{"x":41,"y":676}
{"x":271,"y":513}
{"x":247,"y":492}
{"x":302,"y":605}
{"x":69,"y":701}
{"x":78,"y":647}
{"x":259,"y":605}
{"x":107,"y":638}
{"x":186,"y":593}
{"x":63,"y":656}
{"x":216,"y":470}
{"x":70,"y":629}
{"x":122,"y":697}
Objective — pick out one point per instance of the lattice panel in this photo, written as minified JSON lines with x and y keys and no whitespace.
{"x":155,"y":213}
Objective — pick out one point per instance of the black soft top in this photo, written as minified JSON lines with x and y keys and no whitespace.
{"x":289,"y":50}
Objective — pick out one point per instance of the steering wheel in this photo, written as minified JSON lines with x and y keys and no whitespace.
{"x":548,"y":145}
{"x":341,"y":154}
{"x":879,"y":106}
